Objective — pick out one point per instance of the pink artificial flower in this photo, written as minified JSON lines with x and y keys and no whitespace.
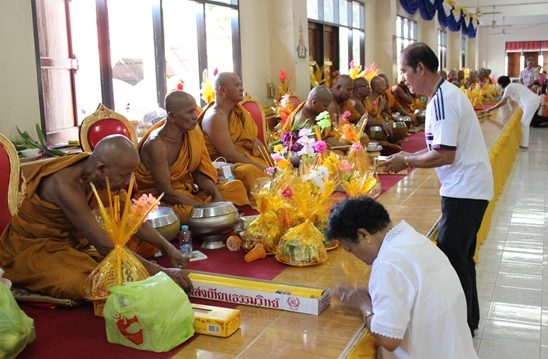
{"x":215,"y":72}
{"x":320,"y":146}
{"x":277,"y":158}
{"x":344,"y":165}
{"x":270,"y":171}
{"x":352,"y":64}
{"x":287,"y":193}
{"x":357,"y":146}
{"x":283,"y":75}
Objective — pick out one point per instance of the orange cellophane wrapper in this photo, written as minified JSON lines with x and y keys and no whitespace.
{"x":302,"y":245}
{"x":120,"y":265}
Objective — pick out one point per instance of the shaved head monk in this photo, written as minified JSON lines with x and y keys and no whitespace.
{"x":54,"y":242}
{"x":342,"y":91}
{"x":230,"y":131}
{"x":174,"y":160}
{"x":318,"y":101}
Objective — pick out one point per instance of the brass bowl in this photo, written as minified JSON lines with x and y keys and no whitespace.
{"x":213,"y":222}
{"x":364,"y":140}
{"x":399,"y":130}
{"x":376,"y":133}
{"x":420,"y":115}
{"x":165,"y":221}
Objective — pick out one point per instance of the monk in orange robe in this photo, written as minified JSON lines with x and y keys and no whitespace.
{"x":174,"y":160}
{"x":363,"y":105}
{"x":342,"y":91}
{"x":230,"y":131}
{"x":54,"y":242}
{"x":393,"y":105}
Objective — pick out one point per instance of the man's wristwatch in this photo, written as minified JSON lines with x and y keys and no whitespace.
{"x":367,"y":314}
{"x":406,"y":162}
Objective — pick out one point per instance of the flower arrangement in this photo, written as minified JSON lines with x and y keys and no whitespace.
{"x":284,"y":86}
{"x":284,"y":108}
{"x":354,"y":70}
{"x":27,"y":142}
{"x":207,"y":92}
{"x":369,"y":72}
{"x":120,"y":265}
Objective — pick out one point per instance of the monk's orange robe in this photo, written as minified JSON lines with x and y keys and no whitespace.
{"x":40,"y":249}
{"x":243,"y":132}
{"x":372,"y":110}
{"x":348,"y":106}
{"x":407,"y":107}
{"x":193,"y":156}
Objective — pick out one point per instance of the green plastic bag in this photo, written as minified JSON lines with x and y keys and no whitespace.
{"x":16,"y":328}
{"x":153,"y":314}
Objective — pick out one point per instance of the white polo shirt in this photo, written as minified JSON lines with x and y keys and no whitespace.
{"x":452,"y":125}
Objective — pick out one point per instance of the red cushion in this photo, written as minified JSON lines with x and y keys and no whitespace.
{"x":5,"y":216}
{"x":104,"y":128}
{"x":255,"y":112}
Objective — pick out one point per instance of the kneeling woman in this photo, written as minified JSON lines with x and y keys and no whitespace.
{"x":414,"y":304}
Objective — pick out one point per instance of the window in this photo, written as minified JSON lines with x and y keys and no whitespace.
{"x":406,"y":34}
{"x":463,"y":52}
{"x":127,"y":54}
{"x":336,"y":33}
{"x":442,"y":49}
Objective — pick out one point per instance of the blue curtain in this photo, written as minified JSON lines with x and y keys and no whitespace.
{"x":410,"y":6}
{"x":428,"y":10}
{"x":453,"y":23}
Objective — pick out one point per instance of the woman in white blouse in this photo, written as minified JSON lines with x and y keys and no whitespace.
{"x":414,"y":304}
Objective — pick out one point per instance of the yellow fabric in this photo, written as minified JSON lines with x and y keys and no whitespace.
{"x":288,"y":124}
{"x":366,"y":348}
{"x":348,"y":106}
{"x":243,"y":133}
{"x":40,"y":249}
{"x":193,"y":156}
{"x":370,"y":110}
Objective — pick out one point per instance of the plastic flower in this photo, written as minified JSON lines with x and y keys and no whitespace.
{"x":277,"y":157}
{"x":344,"y":117}
{"x":323,"y":120}
{"x":357,"y":146}
{"x":215,"y":72}
{"x":320,"y":146}
{"x":317,"y":176}
{"x":270,"y":171}
{"x":305,"y":132}
{"x":344,"y":166}
{"x":278,"y":148}
{"x":283,"y":75}
{"x":284,"y":164}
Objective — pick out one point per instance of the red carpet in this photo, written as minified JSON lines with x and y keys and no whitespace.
{"x":77,"y":333}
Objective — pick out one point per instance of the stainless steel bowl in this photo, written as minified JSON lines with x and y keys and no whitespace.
{"x":376,"y":133}
{"x":213,"y":222}
{"x":165,"y":221}
{"x":399,"y":130}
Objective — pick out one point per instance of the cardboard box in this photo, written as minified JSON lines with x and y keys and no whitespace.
{"x":216,"y":321}
{"x":250,"y":292}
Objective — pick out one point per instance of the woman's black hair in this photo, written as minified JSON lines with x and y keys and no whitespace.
{"x":351,"y":214}
{"x":503,"y":81}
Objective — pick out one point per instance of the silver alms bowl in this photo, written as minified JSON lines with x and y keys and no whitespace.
{"x":213,"y":222}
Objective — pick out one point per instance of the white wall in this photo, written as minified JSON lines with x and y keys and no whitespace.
{"x":18,"y":79}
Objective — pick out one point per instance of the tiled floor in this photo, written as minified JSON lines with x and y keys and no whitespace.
{"x":512,"y":270}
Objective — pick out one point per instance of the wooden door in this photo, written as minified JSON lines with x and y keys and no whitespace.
{"x":528,"y":54}
{"x":514,"y":66}
{"x":313,"y":42}
{"x":331,"y":45}
{"x":57,"y":69}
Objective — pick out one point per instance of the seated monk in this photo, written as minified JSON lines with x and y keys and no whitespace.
{"x":230,"y":131}
{"x":452,"y":76}
{"x":174,"y":160}
{"x":363,"y":105}
{"x":54,"y":242}
{"x":393,"y":105}
{"x":342,"y":91}
{"x":319,"y":99}
{"x":404,"y":97}
{"x":472,"y":80}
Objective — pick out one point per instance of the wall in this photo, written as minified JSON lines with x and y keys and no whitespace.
{"x":18,"y":78}
{"x":492,"y":50}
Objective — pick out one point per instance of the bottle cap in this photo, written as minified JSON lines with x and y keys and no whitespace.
{"x":230,"y":177}
{"x":184,"y":227}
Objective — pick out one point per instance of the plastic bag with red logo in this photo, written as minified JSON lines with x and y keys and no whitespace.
{"x":153,"y":314}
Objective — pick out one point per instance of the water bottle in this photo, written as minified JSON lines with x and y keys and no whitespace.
{"x":185,"y":241}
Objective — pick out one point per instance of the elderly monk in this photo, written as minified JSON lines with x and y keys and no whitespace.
{"x":342,"y":91}
{"x":363,"y":105}
{"x":174,"y":160}
{"x":404,"y":97}
{"x":54,"y":242}
{"x":319,"y":99}
{"x":393,"y":105}
{"x":230,"y":131}
{"x":452,"y":76}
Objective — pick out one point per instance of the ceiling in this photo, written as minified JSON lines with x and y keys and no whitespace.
{"x":521,"y":14}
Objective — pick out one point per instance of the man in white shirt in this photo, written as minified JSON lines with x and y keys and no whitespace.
{"x":529,"y":74}
{"x":456,"y":149}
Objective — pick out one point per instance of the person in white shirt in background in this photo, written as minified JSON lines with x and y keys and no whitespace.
{"x":529,"y":74}
{"x":527,"y":100}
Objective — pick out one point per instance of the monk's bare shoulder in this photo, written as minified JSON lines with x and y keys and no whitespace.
{"x":62,"y":185}
{"x":154,"y":148}
{"x":214,"y":120}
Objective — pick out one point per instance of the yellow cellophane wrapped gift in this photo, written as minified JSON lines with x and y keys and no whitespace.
{"x":303,"y":245}
{"x":268,"y":227}
{"x":120,"y":265}
{"x":357,"y":176}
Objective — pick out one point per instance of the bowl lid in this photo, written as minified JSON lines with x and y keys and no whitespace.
{"x":161,"y":217}
{"x":376,"y":128}
{"x":212,"y":210}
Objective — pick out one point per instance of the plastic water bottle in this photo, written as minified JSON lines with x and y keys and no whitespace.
{"x":185,"y":241}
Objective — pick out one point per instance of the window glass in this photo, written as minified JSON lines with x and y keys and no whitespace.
{"x":312,"y":9}
{"x":343,"y":50}
{"x":219,"y":37}
{"x":86,"y":48}
{"x":343,"y":13}
{"x":181,"y":47}
{"x":328,"y":10}
{"x":230,"y":2}
{"x":356,"y":40}
{"x":132,"y":56}
{"x":357,"y":15}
